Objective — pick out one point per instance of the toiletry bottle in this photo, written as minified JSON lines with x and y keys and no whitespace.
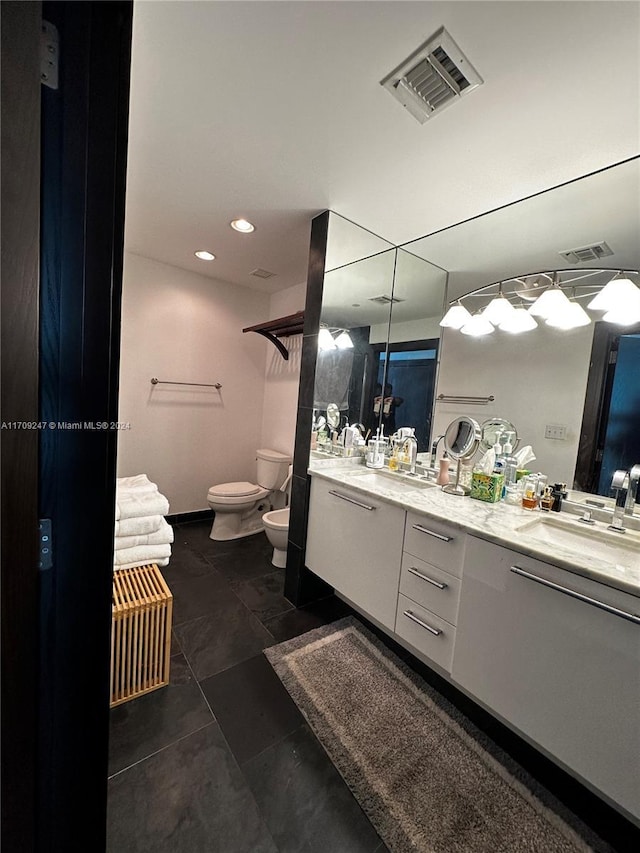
{"x":530,"y":492}
{"x":443,"y":474}
{"x":393,"y":459}
{"x":559,"y":493}
{"x":547,"y":499}
{"x":509,"y":469}
{"x":498,"y":466}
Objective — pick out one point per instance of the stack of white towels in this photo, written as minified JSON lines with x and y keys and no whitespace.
{"x":142,"y":535}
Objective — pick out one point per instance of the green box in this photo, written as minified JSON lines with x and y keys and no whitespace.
{"x":487,"y":487}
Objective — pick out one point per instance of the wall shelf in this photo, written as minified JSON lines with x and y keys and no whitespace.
{"x":283,"y":327}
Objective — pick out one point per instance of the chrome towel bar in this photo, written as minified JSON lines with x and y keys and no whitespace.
{"x":461,"y":398}
{"x":215,"y":385}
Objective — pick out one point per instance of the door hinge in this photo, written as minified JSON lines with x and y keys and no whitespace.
{"x":599,"y":454}
{"x":613,"y":356}
{"x":46,"y":548}
{"x":49,"y":50}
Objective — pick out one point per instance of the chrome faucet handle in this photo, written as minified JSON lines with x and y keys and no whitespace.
{"x":586,"y":517}
{"x":619,"y":484}
{"x":632,"y":489}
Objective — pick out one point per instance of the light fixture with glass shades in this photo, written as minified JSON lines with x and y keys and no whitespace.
{"x":558,"y":302}
{"x":456,"y":316}
{"x":336,"y":339}
{"x":477,"y":326}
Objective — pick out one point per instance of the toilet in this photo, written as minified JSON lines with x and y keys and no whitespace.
{"x":239,"y":507}
{"x":276,"y":526}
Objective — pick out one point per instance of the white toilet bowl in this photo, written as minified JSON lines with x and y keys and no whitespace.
{"x":276,"y":526}
{"x":239,"y":507}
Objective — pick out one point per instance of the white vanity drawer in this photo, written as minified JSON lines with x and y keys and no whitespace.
{"x":430,"y":635}
{"x":435,"y":542}
{"x":431,"y":587}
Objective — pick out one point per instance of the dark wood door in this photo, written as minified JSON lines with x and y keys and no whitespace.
{"x":63,"y":166}
{"x":19,"y":400}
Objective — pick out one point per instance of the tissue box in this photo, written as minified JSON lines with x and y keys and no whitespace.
{"x":487,"y":487}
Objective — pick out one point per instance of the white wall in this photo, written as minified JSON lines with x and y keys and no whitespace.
{"x":282,"y":377}
{"x":537,"y":378}
{"x":182,"y":326}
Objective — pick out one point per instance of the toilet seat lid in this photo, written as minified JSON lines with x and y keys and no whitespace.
{"x":234,"y":490}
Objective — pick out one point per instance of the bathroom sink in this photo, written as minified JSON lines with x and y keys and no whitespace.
{"x":623,"y":549}
{"x":380,"y":479}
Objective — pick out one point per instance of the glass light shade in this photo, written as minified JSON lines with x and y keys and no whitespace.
{"x":343,"y":341}
{"x":498,"y":310}
{"x":626,"y":315}
{"x":519,"y":321}
{"x":615,"y":295}
{"x":551,"y":303}
{"x":325,"y":340}
{"x":477,"y":326}
{"x":455,"y":317}
{"x":574,"y":316}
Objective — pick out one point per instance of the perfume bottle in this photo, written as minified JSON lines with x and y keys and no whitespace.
{"x":530,"y":492}
{"x":547,"y":500}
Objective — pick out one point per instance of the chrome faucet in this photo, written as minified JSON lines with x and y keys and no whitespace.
{"x":632,"y":491}
{"x":625,"y":484}
{"x":411,"y":449}
{"x":434,"y":450}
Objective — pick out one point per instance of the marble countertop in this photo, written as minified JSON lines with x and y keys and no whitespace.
{"x":497,"y":523}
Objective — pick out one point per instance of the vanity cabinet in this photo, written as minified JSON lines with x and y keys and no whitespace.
{"x":354,"y":542}
{"x":430,"y":588}
{"x":559,"y":668}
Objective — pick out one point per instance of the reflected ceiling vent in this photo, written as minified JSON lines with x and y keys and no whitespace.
{"x":385,"y":300}
{"x":586,"y":253}
{"x":259,"y":273}
{"x":434,"y":76}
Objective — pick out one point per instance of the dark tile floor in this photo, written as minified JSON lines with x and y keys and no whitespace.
{"x":221,"y":759}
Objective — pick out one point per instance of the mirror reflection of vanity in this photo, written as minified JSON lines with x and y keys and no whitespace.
{"x":539,"y":381}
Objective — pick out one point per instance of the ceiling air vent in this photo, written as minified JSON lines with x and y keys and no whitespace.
{"x":259,"y":273}
{"x":434,"y":76}
{"x":385,"y":300}
{"x":586,"y":253}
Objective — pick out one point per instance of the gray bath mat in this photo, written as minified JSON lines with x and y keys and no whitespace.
{"x":421,"y":772}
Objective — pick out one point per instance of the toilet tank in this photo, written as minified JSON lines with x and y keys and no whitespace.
{"x":273,"y":468}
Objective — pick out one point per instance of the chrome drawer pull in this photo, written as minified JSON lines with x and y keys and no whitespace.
{"x":435,"y":631}
{"x":351,"y":500}
{"x":431,"y":533}
{"x":428,"y":580}
{"x":624,"y":614}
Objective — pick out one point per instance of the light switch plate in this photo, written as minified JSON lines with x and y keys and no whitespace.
{"x":557,"y":431}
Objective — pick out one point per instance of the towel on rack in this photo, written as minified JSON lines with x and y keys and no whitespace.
{"x":133,"y":505}
{"x":139,"y":526}
{"x":162,"y":536}
{"x":163,"y":561}
{"x":142,"y":555}
{"x":139,"y":484}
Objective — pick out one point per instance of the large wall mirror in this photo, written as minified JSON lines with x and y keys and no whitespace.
{"x":547,"y":382}
{"x":379,"y":338}
{"x":548,"y":377}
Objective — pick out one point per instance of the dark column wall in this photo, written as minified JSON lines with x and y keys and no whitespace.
{"x":301,"y":586}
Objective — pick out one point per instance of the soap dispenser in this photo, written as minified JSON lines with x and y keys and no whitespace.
{"x":443,"y":474}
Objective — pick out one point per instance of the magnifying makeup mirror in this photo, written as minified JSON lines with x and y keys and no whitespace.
{"x":461,"y":440}
{"x":333,"y":416}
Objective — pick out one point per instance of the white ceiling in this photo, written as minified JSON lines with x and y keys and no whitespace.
{"x":273,"y":111}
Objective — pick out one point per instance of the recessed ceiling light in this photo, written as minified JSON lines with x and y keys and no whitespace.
{"x":204,"y":256}
{"x":242,"y":225}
